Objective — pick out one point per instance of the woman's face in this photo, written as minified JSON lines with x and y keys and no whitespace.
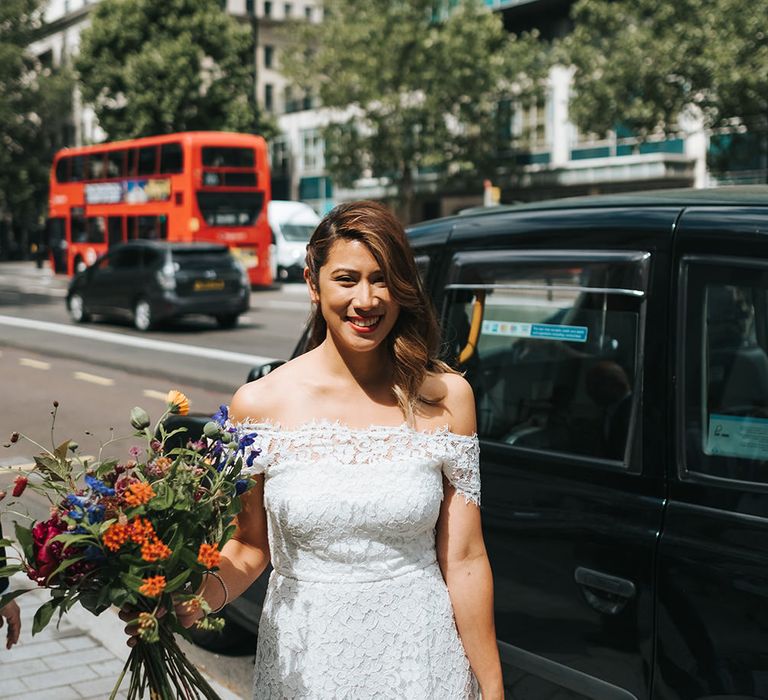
{"x":354,"y":299}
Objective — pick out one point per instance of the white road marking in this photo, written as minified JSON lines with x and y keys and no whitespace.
{"x":93,"y":379}
{"x":152,"y":394}
{"x":135,"y":342}
{"x":34,"y":364}
{"x":277,"y":304}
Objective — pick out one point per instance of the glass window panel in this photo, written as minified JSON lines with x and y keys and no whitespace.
{"x":171,"y":158}
{"x":147,"y":160}
{"x":554,"y":364}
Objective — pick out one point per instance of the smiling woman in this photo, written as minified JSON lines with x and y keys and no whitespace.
{"x":368,"y":489}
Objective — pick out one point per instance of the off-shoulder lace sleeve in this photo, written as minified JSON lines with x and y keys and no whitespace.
{"x":254,"y":442}
{"x":461,"y":465}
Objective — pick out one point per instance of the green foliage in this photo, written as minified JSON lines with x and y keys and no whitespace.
{"x":152,"y":67}
{"x":34,"y":102}
{"x":642,"y":64}
{"x":420,"y":88}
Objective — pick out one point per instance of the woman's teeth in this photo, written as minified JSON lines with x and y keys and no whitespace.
{"x":365,"y":322}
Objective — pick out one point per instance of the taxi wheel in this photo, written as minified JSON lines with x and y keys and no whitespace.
{"x":77,"y":310}
{"x":142,"y":315}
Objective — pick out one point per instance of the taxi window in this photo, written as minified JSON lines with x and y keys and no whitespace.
{"x":726,"y":371}
{"x":550,"y":345}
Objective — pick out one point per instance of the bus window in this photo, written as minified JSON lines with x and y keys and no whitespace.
{"x":147,"y":160}
{"x":152,"y":227}
{"x":115,"y":163}
{"x":62,"y":170}
{"x":79,"y":232}
{"x":115,"y":229}
{"x":171,"y":158}
{"x":131,"y":160}
{"x":230,"y":209}
{"x":220,"y":157}
{"x":95,"y":229}
{"x":96,"y":169}
{"x":78,"y":168}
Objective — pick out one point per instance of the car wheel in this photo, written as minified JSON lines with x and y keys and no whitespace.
{"x":227,"y":320}
{"x":80,"y":265}
{"x":142,"y":315}
{"x":231,"y":638}
{"x":77,"y":310}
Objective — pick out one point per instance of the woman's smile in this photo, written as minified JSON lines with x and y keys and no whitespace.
{"x":365,"y":324}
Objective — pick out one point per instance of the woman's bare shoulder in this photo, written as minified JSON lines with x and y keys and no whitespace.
{"x":264,"y":399}
{"x":455,"y":395}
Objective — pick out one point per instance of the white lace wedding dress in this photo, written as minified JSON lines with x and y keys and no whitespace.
{"x":356,"y":606}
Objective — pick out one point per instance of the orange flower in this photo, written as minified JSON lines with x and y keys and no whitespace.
{"x":138,"y":494}
{"x":177,"y":402}
{"x":154,"y":550}
{"x":152,"y":586}
{"x":141,"y":530}
{"x":208,"y":555}
{"x":115,"y":536}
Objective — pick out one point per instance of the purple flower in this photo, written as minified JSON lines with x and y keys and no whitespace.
{"x":251,"y":457}
{"x":241,"y":485}
{"x":95,"y":514}
{"x":246,"y":440}
{"x":134,"y":452}
{"x":222,"y":415}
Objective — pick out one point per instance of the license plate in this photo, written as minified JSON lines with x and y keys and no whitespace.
{"x":208,"y":285}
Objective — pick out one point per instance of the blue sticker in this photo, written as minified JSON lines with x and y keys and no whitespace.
{"x":542,"y":331}
{"x":737,"y":436}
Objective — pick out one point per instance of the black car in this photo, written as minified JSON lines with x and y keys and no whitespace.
{"x":152,"y":281}
{"x":618,"y":350}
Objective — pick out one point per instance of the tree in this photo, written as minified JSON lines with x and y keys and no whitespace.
{"x":33,"y":102}
{"x":644,"y":64}
{"x":151,"y":67}
{"x":416,"y":87}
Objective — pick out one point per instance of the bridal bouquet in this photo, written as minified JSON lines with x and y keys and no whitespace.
{"x":139,"y":534}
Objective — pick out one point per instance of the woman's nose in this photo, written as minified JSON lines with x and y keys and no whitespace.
{"x":364,"y":297}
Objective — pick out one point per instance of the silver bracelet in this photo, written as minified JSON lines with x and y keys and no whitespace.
{"x":216,"y":575}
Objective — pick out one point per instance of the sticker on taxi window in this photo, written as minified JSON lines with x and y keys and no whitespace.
{"x":544,"y":331}
{"x":737,"y":436}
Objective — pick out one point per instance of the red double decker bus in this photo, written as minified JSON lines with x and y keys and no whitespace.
{"x":191,"y":186}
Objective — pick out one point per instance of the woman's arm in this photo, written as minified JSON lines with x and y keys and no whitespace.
{"x":245,"y":556}
{"x":464,"y":562}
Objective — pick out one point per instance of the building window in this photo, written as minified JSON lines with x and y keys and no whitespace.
{"x":269,"y":99}
{"x":308,"y":13}
{"x":312,"y":147}
{"x":267,"y":9}
{"x":530,"y":125}
{"x":288,"y":101}
{"x":269,"y":56}
{"x":279,"y":156}
{"x":288,"y":10}
{"x":249,"y":8}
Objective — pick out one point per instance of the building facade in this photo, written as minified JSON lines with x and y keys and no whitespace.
{"x":547,"y":156}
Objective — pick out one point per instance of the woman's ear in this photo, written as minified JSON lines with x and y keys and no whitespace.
{"x":314,"y":296}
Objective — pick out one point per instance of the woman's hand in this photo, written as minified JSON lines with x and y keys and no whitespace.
{"x":10,"y":612}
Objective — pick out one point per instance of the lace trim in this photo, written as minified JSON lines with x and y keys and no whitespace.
{"x":323,"y":440}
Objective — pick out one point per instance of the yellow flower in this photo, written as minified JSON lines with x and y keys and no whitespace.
{"x":177,"y":402}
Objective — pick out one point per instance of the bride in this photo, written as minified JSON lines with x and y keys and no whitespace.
{"x":368,"y":490}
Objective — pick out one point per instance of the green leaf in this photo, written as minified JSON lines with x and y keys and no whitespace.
{"x":131,"y":581}
{"x":106,"y":467}
{"x":53,"y":468}
{"x":24,"y":538}
{"x":177,"y":581}
{"x":10,"y":570}
{"x":64,"y":565}
{"x":43,"y":616}
{"x":8,"y":597}
{"x":61,"y":451}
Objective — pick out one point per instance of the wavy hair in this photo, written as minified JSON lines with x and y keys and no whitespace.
{"x":414,"y":341}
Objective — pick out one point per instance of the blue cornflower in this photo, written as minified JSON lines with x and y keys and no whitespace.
{"x":241,"y":485}
{"x":95,"y":514}
{"x":222,"y":415}
{"x":75,"y":501}
{"x":251,"y":457}
{"x":93,"y":553}
{"x":75,"y":514}
{"x":246,"y":440}
{"x":99,"y":486}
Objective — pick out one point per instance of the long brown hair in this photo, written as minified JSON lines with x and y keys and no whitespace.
{"x":414,"y":341}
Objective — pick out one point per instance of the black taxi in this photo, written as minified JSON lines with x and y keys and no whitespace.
{"x":618,"y":350}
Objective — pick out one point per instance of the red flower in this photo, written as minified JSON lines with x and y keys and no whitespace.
{"x":19,"y":484}
{"x":48,"y":555}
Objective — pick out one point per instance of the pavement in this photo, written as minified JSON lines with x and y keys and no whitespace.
{"x":80,"y":658}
